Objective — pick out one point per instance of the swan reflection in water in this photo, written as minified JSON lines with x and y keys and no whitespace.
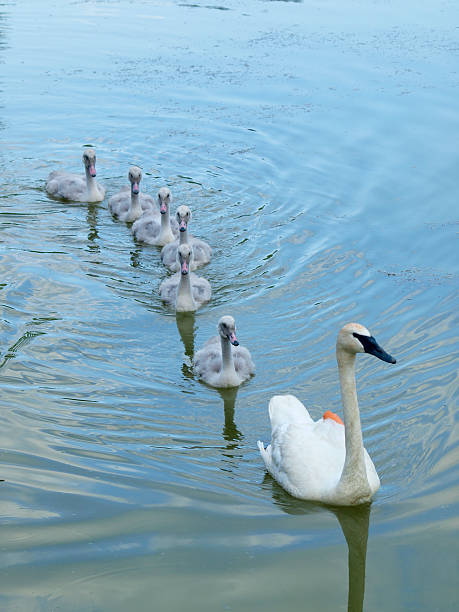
{"x":354,"y":522}
{"x":135,"y":256}
{"x":186,"y":328}
{"x":230,"y":432}
{"x":93,"y":236}
{"x":231,"y":456}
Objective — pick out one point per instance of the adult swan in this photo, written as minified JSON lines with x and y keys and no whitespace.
{"x":324,"y":461}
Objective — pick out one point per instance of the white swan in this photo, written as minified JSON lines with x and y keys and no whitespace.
{"x":148,"y":228}
{"x":201,"y":250}
{"x":75,"y":187}
{"x":325,"y":461}
{"x":221,"y":365}
{"x":129,"y":204}
{"x":186,"y":291}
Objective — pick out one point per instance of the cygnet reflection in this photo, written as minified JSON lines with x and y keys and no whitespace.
{"x":186,"y":328}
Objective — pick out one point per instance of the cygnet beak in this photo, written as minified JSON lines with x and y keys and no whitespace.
{"x":92,"y":170}
{"x":135,"y":188}
{"x":184,"y":267}
{"x":182,"y":226}
{"x":163,"y":208}
{"x":232,"y":338}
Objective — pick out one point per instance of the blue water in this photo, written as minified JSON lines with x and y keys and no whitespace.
{"x":316,"y":144}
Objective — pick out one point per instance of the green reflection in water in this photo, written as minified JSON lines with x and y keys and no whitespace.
{"x":354,"y":522}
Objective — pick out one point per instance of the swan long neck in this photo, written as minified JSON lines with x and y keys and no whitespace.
{"x":184,"y":293}
{"x":166,"y":231}
{"x":135,"y":208}
{"x":183,"y":237}
{"x":91,"y":184}
{"x":227,"y":357}
{"x":354,"y":474}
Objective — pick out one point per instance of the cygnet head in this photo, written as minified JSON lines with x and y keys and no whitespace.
{"x":354,"y":338}
{"x":164,"y":199}
{"x":89,"y":160}
{"x":227,"y":329}
{"x":185,"y":255}
{"x":183,"y":215}
{"x":135,"y":176}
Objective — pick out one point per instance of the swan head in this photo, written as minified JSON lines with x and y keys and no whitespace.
{"x":164,"y":199}
{"x":184,"y":255}
{"x":183,"y":215}
{"x":354,"y":338}
{"x":135,"y":176}
{"x":89,"y":160}
{"x":227,"y":329}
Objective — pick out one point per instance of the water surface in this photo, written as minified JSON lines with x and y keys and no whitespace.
{"x":316,"y":144}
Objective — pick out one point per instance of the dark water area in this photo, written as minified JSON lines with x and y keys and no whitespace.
{"x":317,"y":146}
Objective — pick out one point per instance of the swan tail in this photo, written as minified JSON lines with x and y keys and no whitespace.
{"x":287,"y":409}
{"x":265,"y":454}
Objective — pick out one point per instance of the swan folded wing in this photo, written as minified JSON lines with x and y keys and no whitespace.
{"x":66,"y":185}
{"x":208,"y":360}
{"x":148,"y":204}
{"x":287,"y":409}
{"x":306,"y":465}
{"x":168,"y":289}
{"x":169,"y":255}
{"x":146,"y":227}
{"x":54,"y":177}
{"x":201,"y":288}
{"x":202,"y":252}
{"x":118,"y":204}
{"x":243,"y":363}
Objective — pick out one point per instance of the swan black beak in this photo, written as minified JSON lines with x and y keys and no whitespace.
{"x":372,"y":348}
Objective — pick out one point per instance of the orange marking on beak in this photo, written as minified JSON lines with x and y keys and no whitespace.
{"x":331,"y":415}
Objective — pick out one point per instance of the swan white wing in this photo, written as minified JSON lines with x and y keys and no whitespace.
{"x":208,"y":361}
{"x":201,"y":289}
{"x":66,"y":185}
{"x":202,"y":252}
{"x":120,"y":201}
{"x":305,"y":462}
{"x":147,"y":228}
{"x":287,"y":409}
{"x":243,"y":363}
{"x":168,"y":289}
{"x":169,"y":256}
{"x":148,"y":203}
